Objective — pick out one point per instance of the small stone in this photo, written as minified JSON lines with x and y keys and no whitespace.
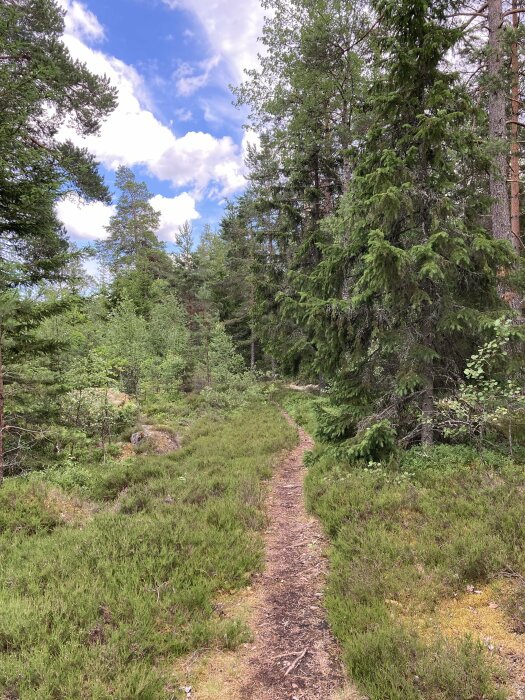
{"x":137,"y":437}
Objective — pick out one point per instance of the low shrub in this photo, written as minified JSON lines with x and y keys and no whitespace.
{"x":102,"y":610}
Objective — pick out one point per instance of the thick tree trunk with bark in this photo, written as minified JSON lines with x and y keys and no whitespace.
{"x":515,"y":147}
{"x":501,"y":227}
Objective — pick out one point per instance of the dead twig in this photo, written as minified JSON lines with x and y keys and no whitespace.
{"x":296,"y":662}
{"x":284,"y":656}
{"x":509,"y":573}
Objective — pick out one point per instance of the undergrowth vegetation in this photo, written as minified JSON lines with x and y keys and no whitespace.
{"x":99,"y":610}
{"x":405,"y":536}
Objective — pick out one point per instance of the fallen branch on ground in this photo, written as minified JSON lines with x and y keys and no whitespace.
{"x":297,"y":661}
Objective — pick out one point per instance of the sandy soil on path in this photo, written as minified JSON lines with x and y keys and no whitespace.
{"x":294,"y":654}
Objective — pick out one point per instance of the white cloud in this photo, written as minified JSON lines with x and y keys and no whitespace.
{"x":83,"y":220}
{"x":88,"y":221}
{"x":232,"y":29}
{"x":174,"y":212}
{"x":188,"y":82}
{"x":133,"y":135}
{"x":184,"y":115}
{"x":81,"y":22}
{"x":199,"y":158}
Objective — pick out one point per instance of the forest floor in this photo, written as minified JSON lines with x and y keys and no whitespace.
{"x":199,"y":574}
{"x":293,"y":655}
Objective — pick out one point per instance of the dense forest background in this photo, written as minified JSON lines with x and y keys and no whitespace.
{"x":376,"y":251}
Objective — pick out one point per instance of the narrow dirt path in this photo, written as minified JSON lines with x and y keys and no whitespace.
{"x":293,"y":656}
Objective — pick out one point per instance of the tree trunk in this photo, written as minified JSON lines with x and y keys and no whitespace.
{"x":2,"y":413}
{"x":515,"y":148}
{"x":501,"y":228}
{"x":252,"y":353}
{"x":427,"y":409}
{"x":208,"y":366}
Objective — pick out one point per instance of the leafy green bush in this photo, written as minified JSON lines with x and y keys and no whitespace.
{"x":92,"y":411}
{"x":484,"y":407}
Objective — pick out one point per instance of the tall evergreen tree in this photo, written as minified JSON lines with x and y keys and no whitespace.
{"x":410,"y":283}
{"x":41,"y":89}
{"x":132,"y":252}
{"x":307,"y":105}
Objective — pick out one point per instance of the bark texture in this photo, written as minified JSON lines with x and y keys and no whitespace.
{"x":515,"y":147}
{"x":501,"y":227}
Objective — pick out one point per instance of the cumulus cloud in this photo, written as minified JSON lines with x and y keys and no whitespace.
{"x":133,"y":135}
{"x":174,"y":211}
{"x":232,"y":31}
{"x":86,"y":221}
{"x":199,"y":158}
{"x":81,"y":22}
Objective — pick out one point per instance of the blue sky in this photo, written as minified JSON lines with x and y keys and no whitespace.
{"x":172,"y":62}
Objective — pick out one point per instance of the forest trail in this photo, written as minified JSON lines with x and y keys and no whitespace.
{"x":293,"y":655}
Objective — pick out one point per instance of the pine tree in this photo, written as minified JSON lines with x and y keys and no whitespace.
{"x":132,"y":252}
{"x":41,"y":89}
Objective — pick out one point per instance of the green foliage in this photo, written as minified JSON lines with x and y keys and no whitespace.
{"x":225,"y":362}
{"x":41,"y":89}
{"x":489,"y":400}
{"x":126,"y":342}
{"x":132,"y":252}
{"x":409,"y":281}
{"x":306,"y":103}
{"x":93,"y":411}
{"x":104,"y":609}
{"x":372,"y":444}
{"x":372,"y":263}
{"x":230,"y":385}
{"x":403,"y":539}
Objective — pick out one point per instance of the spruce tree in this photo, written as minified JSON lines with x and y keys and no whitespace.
{"x":407,"y":289}
{"x":306,"y":104}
